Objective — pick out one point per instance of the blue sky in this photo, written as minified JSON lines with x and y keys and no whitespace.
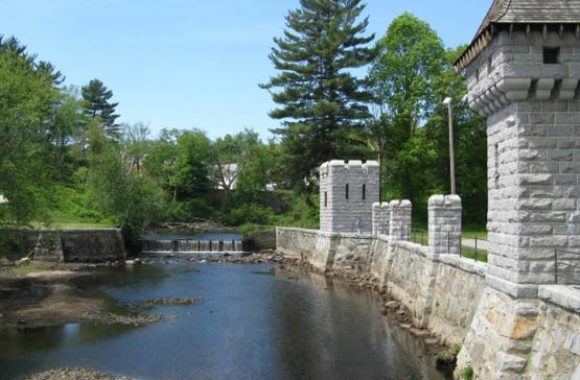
{"x":191,"y":63}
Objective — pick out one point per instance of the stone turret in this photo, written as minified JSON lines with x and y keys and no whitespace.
{"x":348,"y":190}
{"x":523,"y":70}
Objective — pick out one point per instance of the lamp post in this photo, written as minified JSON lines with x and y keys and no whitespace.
{"x":449,"y":103}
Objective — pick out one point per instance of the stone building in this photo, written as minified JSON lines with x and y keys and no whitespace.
{"x":523,"y":69}
{"x":348,"y":190}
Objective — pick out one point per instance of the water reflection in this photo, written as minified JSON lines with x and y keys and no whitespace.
{"x":253,"y":325}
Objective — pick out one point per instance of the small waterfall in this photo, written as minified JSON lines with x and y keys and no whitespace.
{"x":204,"y":246}
{"x":192,"y":247}
{"x":228,"y":246}
{"x":159,"y":246}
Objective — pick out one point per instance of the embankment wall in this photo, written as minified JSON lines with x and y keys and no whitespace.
{"x":448,"y":295}
{"x":86,"y":246}
{"x":442,"y":296}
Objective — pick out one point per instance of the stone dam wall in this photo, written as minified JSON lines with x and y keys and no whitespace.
{"x":448,"y":294}
{"x":83,"y":246}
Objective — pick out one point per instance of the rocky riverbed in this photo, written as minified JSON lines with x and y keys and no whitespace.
{"x":45,"y":295}
{"x":73,"y":374}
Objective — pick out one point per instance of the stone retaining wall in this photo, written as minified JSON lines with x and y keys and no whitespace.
{"x":77,"y":245}
{"x":449,"y":295}
{"x":441,"y":296}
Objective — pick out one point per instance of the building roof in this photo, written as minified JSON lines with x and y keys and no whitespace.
{"x":504,"y":13}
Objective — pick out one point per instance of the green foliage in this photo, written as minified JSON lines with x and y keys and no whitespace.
{"x":467,"y":373}
{"x":302,"y":210}
{"x":97,"y":104}
{"x":132,"y":200}
{"x":192,"y":163}
{"x":411,"y":77}
{"x":320,"y":99}
{"x":250,"y":213}
{"x":27,"y":98}
{"x":450,"y":354}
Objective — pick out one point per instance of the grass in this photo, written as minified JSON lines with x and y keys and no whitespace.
{"x":421,"y":236}
{"x":471,"y":253}
{"x":478,"y":232}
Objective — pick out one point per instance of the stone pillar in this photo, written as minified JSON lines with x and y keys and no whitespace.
{"x":444,"y":225}
{"x":400,"y":223}
{"x":381,"y":218}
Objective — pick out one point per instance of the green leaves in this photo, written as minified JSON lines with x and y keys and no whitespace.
{"x":27,"y":97}
{"x":96,"y":103}
{"x":319,"y":98}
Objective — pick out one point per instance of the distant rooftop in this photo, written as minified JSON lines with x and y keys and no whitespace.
{"x":524,"y":13}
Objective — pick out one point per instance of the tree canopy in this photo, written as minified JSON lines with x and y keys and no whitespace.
{"x":97,"y":104}
{"x":319,"y":97}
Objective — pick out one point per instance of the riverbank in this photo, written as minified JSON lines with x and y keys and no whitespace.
{"x":73,"y":374}
{"x":43,"y":294}
{"x":40,"y":294}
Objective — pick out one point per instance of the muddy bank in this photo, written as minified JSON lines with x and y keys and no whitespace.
{"x":44,"y":295}
{"x":73,"y":374}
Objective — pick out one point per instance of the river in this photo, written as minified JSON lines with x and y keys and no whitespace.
{"x":255,"y":322}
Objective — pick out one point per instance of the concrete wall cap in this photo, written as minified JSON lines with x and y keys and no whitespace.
{"x":453,"y":200}
{"x":436,"y":200}
{"x":374,"y":164}
{"x":406,"y":203}
{"x":335,"y":163}
{"x":397,"y":203}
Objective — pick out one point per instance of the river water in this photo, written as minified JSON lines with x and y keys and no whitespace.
{"x":254,"y":323}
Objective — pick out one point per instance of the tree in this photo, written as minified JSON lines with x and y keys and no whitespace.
{"x":27,"y":103}
{"x":161,"y":159}
{"x":411,"y":77}
{"x":320,"y":99}
{"x":135,"y":138}
{"x":192,"y":173}
{"x":119,"y":191}
{"x":97,"y":105}
{"x":411,"y":58}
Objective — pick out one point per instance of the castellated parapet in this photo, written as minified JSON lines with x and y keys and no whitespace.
{"x":381,"y":218}
{"x":444,"y":225}
{"x":401,"y":219}
{"x":526,"y":84}
{"x":348,"y":189}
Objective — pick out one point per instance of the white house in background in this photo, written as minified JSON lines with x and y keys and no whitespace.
{"x":227,"y":178}
{"x":3,"y":199}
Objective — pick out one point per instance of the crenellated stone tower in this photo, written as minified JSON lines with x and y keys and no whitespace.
{"x":523,"y":69}
{"x":348,"y":190}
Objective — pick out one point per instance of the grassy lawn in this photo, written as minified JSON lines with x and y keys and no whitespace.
{"x":421,"y":236}
{"x":471,"y":253}
{"x":480,"y":233}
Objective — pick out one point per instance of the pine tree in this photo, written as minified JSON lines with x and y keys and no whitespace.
{"x":96,"y":99}
{"x":320,"y":99}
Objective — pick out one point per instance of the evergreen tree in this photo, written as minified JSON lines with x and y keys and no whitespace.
{"x":97,"y":104}
{"x":320,"y":99}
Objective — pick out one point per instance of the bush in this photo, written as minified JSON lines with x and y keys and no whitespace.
{"x":249,"y":213}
